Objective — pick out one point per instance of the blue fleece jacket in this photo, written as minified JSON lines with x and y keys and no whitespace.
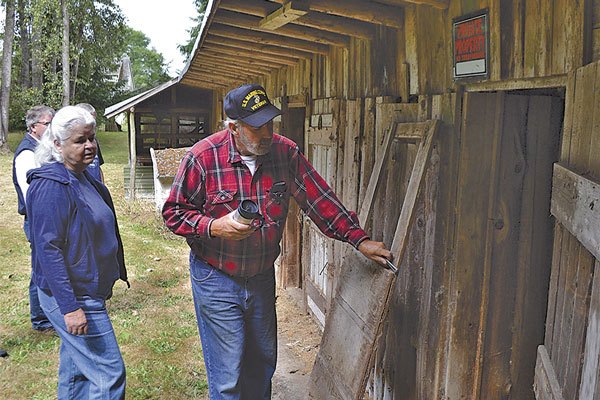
{"x":63,"y":254}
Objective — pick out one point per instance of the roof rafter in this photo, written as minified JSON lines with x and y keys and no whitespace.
{"x":294,"y":31}
{"x":232,"y":50}
{"x":361,"y":10}
{"x":313,"y":19}
{"x":217,"y":63}
{"x":263,"y":48}
{"x":241,"y":59}
{"x":441,"y":4}
{"x":285,"y":14}
{"x":267,"y":38}
{"x":216,"y":70}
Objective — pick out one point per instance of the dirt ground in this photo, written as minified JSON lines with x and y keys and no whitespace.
{"x":298,"y":343}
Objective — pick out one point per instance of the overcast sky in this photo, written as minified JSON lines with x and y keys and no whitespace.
{"x":166,"y":24}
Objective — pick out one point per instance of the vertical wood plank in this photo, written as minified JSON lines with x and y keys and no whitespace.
{"x":551,"y":315}
{"x":559,"y":36}
{"x":444,"y":278}
{"x":532,"y":40}
{"x":495,"y":55}
{"x":582,"y":117}
{"x":367,"y":142}
{"x":465,"y":293}
{"x":594,"y":109}
{"x":564,"y":314}
{"x":535,"y":242}
{"x":567,"y":134}
{"x":591,"y":361}
{"x":427,"y":329}
{"x":412,"y":48}
{"x":503,"y":237}
{"x":510,"y":20}
{"x":546,"y":385}
{"x":580,"y":289}
{"x":576,"y":23}
{"x":351,"y":166}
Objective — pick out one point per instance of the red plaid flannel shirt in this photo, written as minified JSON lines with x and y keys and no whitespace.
{"x":212,"y":181}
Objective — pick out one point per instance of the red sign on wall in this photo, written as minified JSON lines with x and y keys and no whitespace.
{"x":470,"y":38}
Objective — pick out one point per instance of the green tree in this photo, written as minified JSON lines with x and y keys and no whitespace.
{"x":186,"y":49}
{"x":96,"y":29}
{"x":99,"y":38}
{"x":9,"y":29}
{"x":147,"y":65}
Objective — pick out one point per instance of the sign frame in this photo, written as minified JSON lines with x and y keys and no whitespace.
{"x":471,"y":45}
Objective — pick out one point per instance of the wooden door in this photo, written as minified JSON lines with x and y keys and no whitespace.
{"x":321,"y":145}
{"x":290,"y":270}
{"x":503,"y":244}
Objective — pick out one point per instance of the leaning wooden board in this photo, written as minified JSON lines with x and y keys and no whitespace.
{"x":359,"y":308}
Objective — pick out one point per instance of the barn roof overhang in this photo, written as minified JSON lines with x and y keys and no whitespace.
{"x":241,"y":40}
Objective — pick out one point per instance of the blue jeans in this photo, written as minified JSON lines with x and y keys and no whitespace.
{"x":91,"y":366}
{"x":238,"y":330}
{"x":39,"y":321}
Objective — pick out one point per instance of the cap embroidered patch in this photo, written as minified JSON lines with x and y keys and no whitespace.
{"x":249,"y":103}
{"x":255,"y":100}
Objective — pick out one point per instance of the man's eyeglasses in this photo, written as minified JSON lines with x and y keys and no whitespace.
{"x":44,"y":123}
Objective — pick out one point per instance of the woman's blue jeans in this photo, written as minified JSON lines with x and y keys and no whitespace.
{"x":91,"y":366}
{"x":238,"y":330}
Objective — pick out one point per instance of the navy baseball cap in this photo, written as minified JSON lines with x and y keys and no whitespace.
{"x":249,"y":103}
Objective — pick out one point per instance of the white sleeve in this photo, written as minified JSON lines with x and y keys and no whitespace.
{"x":23,"y":163}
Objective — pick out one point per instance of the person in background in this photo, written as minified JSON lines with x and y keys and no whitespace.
{"x":77,"y":256}
{"x":232,"y":262}
{"x":37,"y":120}
{"x":94,"y":168}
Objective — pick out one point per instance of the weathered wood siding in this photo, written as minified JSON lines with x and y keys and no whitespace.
{"x":465,"y":319}
{"x":571,"y":323}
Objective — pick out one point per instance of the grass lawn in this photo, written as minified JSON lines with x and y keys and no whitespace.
{"x":154,"y":321}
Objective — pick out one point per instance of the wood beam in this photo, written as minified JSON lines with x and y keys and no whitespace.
{"x":314,"y":19}
{"x":267,"y":38}
{"x":297,"y":32}
{"x":441,"y":4}
{"x":337,"y":24}
{"x":229,"y":51}
{"x":214,"y":63}
{"x":202,"y":85}
{"x":262,"y":48}
{"x":218,"y":71}
{"x":251,"y":62}
{"x":288,"y":12}
{"x":259,"y":8}
{"x":207,"y":80}
{"x":366,"y":11}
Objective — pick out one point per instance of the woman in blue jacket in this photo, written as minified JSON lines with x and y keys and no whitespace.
{"x":77,"y":256}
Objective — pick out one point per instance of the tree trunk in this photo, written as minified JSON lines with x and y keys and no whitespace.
{"x":9,"y":36}
{"x":37,"y":74}
{"x":66,"y":72}
{"x":24,"y":22}
{"x":78,"y":47}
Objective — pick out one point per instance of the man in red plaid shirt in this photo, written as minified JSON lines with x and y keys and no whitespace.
{"x":231,"y":262}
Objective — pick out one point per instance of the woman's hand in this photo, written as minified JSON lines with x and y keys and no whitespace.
{"x":76,"y":322}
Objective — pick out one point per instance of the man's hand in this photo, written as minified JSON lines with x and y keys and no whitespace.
{"x":76,"y":322}
{"x":375,"y":251}
{"x":228,"y":228}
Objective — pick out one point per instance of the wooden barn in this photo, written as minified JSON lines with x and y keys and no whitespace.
{"x":466,"y":133}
